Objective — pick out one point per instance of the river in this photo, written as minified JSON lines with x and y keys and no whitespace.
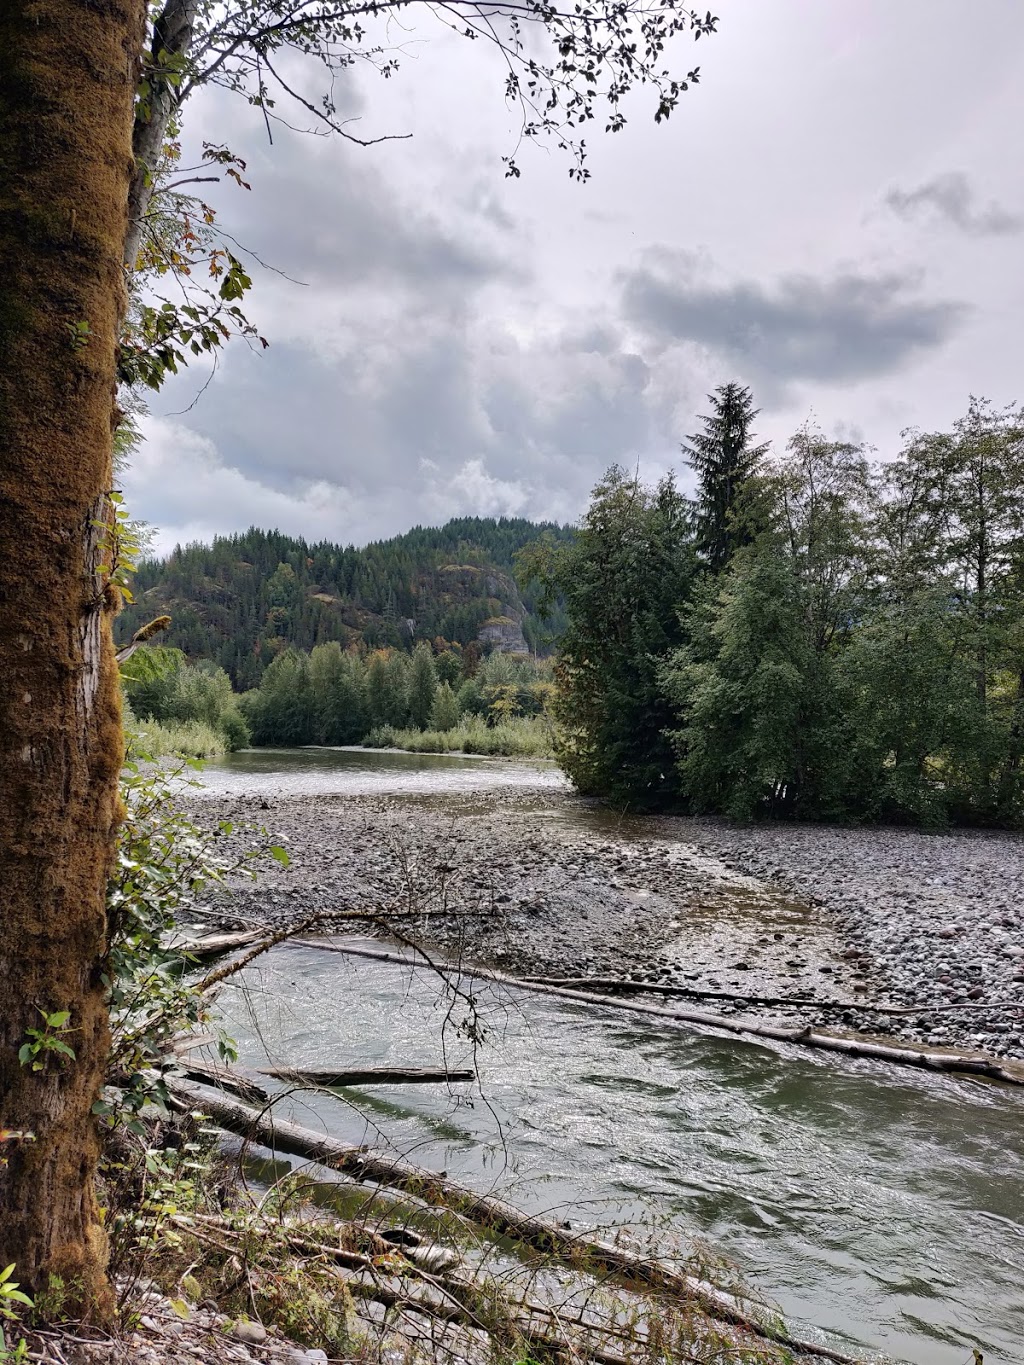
{"x":881,"y":1210}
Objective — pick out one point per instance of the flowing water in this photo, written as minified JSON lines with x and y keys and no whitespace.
{"x":880,"y":1209}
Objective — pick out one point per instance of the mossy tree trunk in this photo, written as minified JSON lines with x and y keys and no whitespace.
{"x":68,"y":71}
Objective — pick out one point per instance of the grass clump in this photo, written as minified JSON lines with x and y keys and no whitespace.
{"x":161,"y":739}
{"x":518,"y":737}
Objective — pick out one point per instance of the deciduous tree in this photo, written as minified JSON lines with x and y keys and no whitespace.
{"x":90,"y":93}
{"x":68,"y":74}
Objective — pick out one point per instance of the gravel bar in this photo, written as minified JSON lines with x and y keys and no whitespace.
{"x":537,"y":881}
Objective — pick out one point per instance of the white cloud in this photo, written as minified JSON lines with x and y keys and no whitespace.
{"x":200,"y":496}
{"x":470,"y":491}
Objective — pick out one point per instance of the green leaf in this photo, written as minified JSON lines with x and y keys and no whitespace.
{"x":59,"y":1019}
{"x":276,"y":851}
{"x":25,"y":1053}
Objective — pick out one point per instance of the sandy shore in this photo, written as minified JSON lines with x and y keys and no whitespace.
{"x":539,"y":882}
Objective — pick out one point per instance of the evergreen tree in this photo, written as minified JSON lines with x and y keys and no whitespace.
{"x":723,"y":457}
{"x":761,"y":727}
{"x":445,"y":712}
{"x":422,"y":685}
{"x":623,"y":579}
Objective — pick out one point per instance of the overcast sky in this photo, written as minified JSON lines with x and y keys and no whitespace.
{"x":835,"y":216}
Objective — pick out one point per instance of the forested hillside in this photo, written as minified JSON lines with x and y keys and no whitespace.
{"x":245,"y":598}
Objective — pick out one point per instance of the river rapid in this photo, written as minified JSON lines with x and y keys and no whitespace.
{"x":881,"y":1210}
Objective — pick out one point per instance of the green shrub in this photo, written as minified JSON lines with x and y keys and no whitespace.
{"x":191,"y":738}
{"x":235,"y":730}
{"x":521,"y":737}
{"x":383,"y":737}
{"x":181,"y":705}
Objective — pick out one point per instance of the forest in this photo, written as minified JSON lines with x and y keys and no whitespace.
{"x":452,"y":700}
{"x":242,"y":600}
{"x":820,"y":634}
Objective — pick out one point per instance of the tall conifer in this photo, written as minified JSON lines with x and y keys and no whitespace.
{"x":723,"y":458}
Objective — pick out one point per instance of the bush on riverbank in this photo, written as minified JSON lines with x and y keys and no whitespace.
{"x":183,"y":708}
{"x":521,"y":737}
{"x":188,"y":739}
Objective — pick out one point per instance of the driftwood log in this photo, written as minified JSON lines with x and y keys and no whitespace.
{"x":235,"y":1080}
{"x":855,"y":1045}
{"x":630,"y":986}
{"x":487,"y":1211}
{"x":212,"y":945}
{"x":368,"y":1075}
{"x":246,"y":1084}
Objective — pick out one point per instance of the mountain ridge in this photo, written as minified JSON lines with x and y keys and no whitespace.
{"x":243,"y":598}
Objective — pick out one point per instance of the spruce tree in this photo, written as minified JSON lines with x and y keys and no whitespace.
{"x":723,"y":458}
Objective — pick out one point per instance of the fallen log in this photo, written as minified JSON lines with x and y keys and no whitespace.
{"x":212,"y":945}
{"x":245,"y":1084}
{"x":271,"y":940}
{"x":368,"y":1075}
{"x":626,"y":986}
{"x":974,"y":1064}
{"x":633,"y":987}
{"x":487,"y":1211}
{"x":232,"y":1079}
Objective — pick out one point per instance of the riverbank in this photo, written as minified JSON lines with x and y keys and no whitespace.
{"x":533,"y":880}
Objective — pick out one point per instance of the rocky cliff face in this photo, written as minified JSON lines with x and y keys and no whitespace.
{"x":504,"y":635}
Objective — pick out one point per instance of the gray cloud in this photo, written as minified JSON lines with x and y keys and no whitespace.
{"x":414,"y":407}
{"x":839,"y":329}
{"x":400,"y":384}
{"x":465,"y":342}
{"x":950,"y":197}
{"x":341,"y":223}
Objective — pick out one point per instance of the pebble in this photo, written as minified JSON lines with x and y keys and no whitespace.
{"x":252,"y":1333}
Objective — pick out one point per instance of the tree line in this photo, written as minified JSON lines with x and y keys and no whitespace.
{"x":818,"y":634}
{"x":335,"y":696}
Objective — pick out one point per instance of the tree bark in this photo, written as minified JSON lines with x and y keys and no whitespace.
{"x":172,"y":41}
{"x":68,"y":70}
